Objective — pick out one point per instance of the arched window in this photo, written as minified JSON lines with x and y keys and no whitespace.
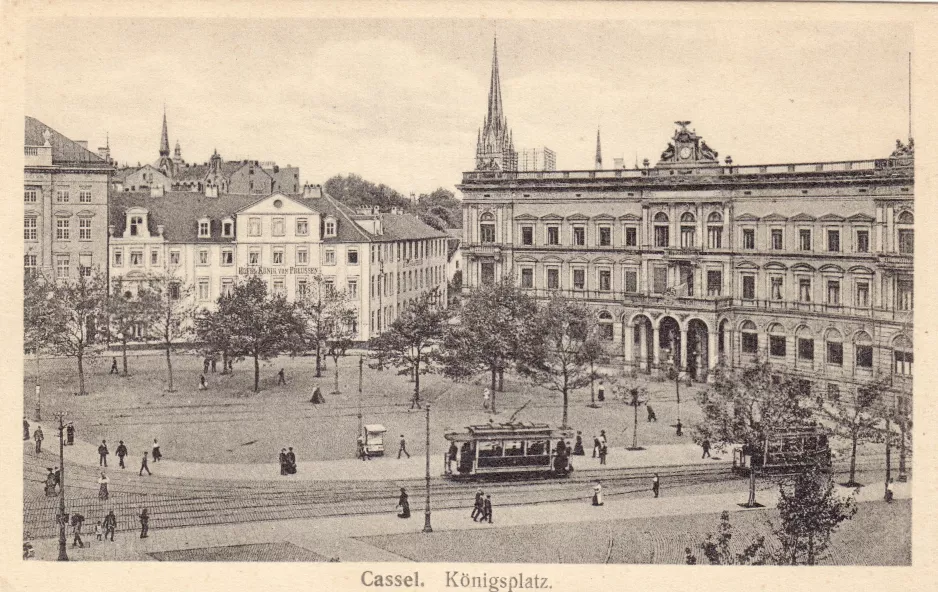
{"x":688,"y":231}
{"x":835,"y":347}
{"x":487,"y":228}
{"x":688,"y":217}
{"x":715,"y":217}
{"x":902,"y":355}
{"x":863,"y":344}
{"x":905,"y":235}
{"x":714,"y":231}
{"x":750,"y":337}
{"x":605,"y":326}
{"x":805,"y":344}
{"x":905,"y":218}
{"x":662,"y":230}
{"x":777,"y":341}
{"x":661,"y":217}
{"x":136,"y":225}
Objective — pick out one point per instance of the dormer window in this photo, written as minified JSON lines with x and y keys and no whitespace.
{"x":227,"y":228}
{"x":136,"y":224}
{"x":205,"y":228}
{"x":330,"y":227}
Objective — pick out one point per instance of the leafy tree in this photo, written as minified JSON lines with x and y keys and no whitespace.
{"x":412,"y":342}
{"x":261,"y":325}
{"x":37,"y":309}
{"x":214,"y":332}
{"x":718,"y":548}
{"x":854,"y":416}
{"x":563,"y":350}
{"x":173,"y":313}
{"x":495,"y":325}
{"x":810,"y":513}
{"x":744,"y":406}
{"x":354,"y":191}
{"x":341,"y":336}
{"x":322,"y":309}
{"x":126,"y":313}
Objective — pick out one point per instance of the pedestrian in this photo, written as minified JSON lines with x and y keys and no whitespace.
{"x":603,"y":450}
{"x":205,"y":364}
{"x":143,"y":464}
{"x":157,"y":455}
{"x":451,"y":455}
{"x":98,"y":532}
{"x":601,"y":392}
{"x":403,"y":504}
{"x":77,"y":521}
{"x":479,"y":506}
{"x":102,"y":454}
{"x":578,"y":445}
{"x":597,"y":494}
{"x":144,"y":523}
{"x":317,"y":396}
{"x":651,"y":414}
{"x":102,"y":487}
{"x":655,"y":484}
{"x":202,"y":384}
{"x":283,"y":461}
{"x":889,"y":492}
{"x":602,"y":438}
{"x":121,"y":453}
{"x":596,"y":444}
{"x":51,"y":482}
{"x":291,"y":461}
{"x":214,"y":359}
{"x":403,"y":448}
{"x":110,"y":524}
{"x":25,"y":430}
{"x":58,"y":476}
{"x":486,"y":399}
{"x":38,"y":437}
{"x":113,"y":365}
{"x":706,"y":448}
{"x":679,"y":428}
{"x":487,"y":509}
{"x":70,"y":434}
{"x":280,"y":378}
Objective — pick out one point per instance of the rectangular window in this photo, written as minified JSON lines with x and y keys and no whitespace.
{"x":714,"y":283}
{"x":579,"y":236}
{"x":903,"y":362}
{"x":688,"y":237}
{"x":30,"y":264}
{"x":302,"y":287}
{"x":61,"y":266}
{"x":863,"y":241}
{"x":778,"y":284}
{"x":353,"y":288}
{"x":749,"y":238}
{"x":906,"y":241}
{"x":302,"y":226}
{"x":527,"y":235}
{"x":749,"y":287}
{"x":488,"y":273}
{"x":904,"y":294}
{"x":486,"y":233}
{"x":863,"y":294}
{"x":631,"y":281}
{"x":174,"y":292}
{"x":777,"y":345}
{"x":605,"y":280}
{"x":254,"y":226}
{"x":330,"y":228}
{"x":553,"y":279}
{"x":62,"y":229}
{"x":254,"y":257}
{"x":660,"y":285}
{"x":864,"y":356}
{"x":204,"y":229}
{"x":203,"y":257}
{"x":631,"y":236}
{"x":277,"y":227}
{"x":805,"y":349}
{"x":833,"y":292}
{"x":715,"y":237}
{"x":661,"y":236}
{"x":136,"y":258}
{"x":279,"y":287}
{"x":777,"y":239}
{"x":227,"y":229}
{"x":750,"y":343}
{"x":61,"y":196}
{"x":804,"y":240}
{"x":835,"y":353}
{"x":154,"y":257}
{"x":302,"y":256}
{"x":579,"y":279}
{"x":804,"y":290}
{"x":203,"y":289}
{"x":227,"y":287}
{"x":605,"y":236}
{"x":84,"y":196}
{"x":84,"y":229}
{"x":833,"y":241}
{"x":118,"y":258}
{"x":553,"y":235}
{"x":329,"y":255}
{"x":227,"y":257}
{"x":277,"y":258}
{"x":30,"y":195}
{"x":353,"y":256}
{"x":527,"y":277}
{"x":30,"y":228}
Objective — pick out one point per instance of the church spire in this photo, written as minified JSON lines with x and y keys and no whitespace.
{"x":494,"y":148}
{"x":164,"y":139}
{"x":599,"y":152}
{"x":165,"y":163}
{"x":495,"y":113}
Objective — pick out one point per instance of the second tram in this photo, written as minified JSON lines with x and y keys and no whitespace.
{"x":507,"y":449}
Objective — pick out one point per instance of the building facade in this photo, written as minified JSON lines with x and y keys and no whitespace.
{"x":65,"y":204}
{"x":695,"y":262}
{"x":383,"y":261}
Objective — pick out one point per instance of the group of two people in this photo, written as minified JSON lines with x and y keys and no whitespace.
{"x":287,"y":461}
{"x":482,"y":509}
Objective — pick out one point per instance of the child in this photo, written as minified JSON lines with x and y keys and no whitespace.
{"x":98,"y":532}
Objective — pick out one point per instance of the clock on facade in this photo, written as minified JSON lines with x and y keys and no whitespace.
{"x":685,"y":152}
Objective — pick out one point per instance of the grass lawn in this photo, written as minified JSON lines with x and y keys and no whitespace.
{"x":229,"y":423}
{"x":879,"y":534}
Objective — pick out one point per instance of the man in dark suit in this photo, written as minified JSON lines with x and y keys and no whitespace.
{"x":479,"y":506}
{"x":291,"y":461}
{"x":487,"y":509}
{"x":121,"y":453}
{"x":110,"y":525}
{"x":102,"y":454}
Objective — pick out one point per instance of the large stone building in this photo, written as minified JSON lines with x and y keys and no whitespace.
{"x":65,"y":204}
{"x":383,"y":261}
{"x":697,"y":261}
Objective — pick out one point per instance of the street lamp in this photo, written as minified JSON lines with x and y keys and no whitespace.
{"x":63,"y":555}
{"x":361,"y":371}
{"x":426,"y":515}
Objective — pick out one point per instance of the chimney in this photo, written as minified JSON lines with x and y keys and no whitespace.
{"x":156,"y":191}
{"x":211,"y":191}
{"x":619,"y":163}
{"x":110,"y":230}
{"x":312,"y":191}
{"x":82,"y":143}
{"x":159,"y":229}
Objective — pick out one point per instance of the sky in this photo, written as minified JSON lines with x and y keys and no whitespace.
{"x":400,"y":101}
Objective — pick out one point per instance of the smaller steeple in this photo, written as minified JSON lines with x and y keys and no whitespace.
{"x":164,"y":138}
{"x":599,"y":152}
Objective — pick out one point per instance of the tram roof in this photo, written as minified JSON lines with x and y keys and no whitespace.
{"x":507,"y":431}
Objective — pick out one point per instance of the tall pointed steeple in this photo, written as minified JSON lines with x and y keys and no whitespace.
{"x":165,"y":163}
{"x":164,"y":139}
{"x":599,"y":152}
{"x":495,"y":114}
{"x":494,"y":148}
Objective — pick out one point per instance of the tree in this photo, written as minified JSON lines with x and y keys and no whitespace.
{"x":412,"y":342}
{"x":853,"y":417}
{"x":341,"y":336}
{"x":127,"y":313}
{"x":74,"y":315}
{"x":495,"y":325}
{"x":563,"y":350}
{"x":810,"y":513}
{"x":261,"y":325}
{"x":172,"y":315}
{"x":718,"y":548}
{"x":37,"y":308}
{"x":746,"y":405}
{"x":322,"y":309}
{"x":214,"y":332}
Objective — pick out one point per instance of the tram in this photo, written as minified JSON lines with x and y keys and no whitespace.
{"x":508,"y":449}
{"x":785,"y":451}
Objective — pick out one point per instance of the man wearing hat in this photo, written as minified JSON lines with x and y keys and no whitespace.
{"x":479,"y":506}
{"x":38,"y":437}
{"x":403,"y":448}
{"x":102,"y":454}
{"x":121,"y":453}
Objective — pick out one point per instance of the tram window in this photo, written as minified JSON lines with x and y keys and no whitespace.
{"x":487,"y":449}
{"x":515,"y":448}
{"x":536,"y":448}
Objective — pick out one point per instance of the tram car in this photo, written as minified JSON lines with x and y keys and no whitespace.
{"x":785,"y":451}
{"x":506,"y":449}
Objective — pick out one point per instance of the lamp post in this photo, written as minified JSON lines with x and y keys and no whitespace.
{"x":63,"y":555}
{"x":426,"y":515}
{"x":361,"y":371}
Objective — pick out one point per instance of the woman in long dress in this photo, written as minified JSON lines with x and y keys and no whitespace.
{"x":51,"y":482}
{"x":102,"y":490}
{"x":403,"y":504}
{"x":597,"y":494}
{"x":157,"y":455}
{"x":283,"y":461}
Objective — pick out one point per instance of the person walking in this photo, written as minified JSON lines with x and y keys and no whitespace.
{"x":214,"y":360}
{"x":143,"y":465}
{"x":121,"y":453}
{"x":98,"y":531}
{"x":205,"y":364}
{"x":486,"y":399}
{"x":51,"y":482}
{"x":70,"y":434}
{"x":38,"y":437}
{"x":403,"y":504}
{"x":25,"y":430}
{"x":598,"y":494}
{"x":113,"y":366}
{"x":202,"y":384}
{"x":487,"y":509}
{"x":102,"y":487}
{"x":601,"y":392}
{"x":578,"y":445}
{"x":603,"y":450}
{"x":157,"y":455}
{"x":679,"y":427}
{"x":102,"y":454}
{"x":651,"y":414}
{"x":403,"y":448}
{"x":110,"y":525}
{"x":705,"y":445}
{"x":595,"y":446}
{"x":77,"y":521}
{"x":291,"y":461}
{"x":890,"y":494}
{"x":283,"y":461}
{"x":280,"y":378}
{"x":479,"y":506}
{"x":655,"y":484}
{"x":144,"y":523}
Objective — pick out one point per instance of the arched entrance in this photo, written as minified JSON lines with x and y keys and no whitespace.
{"x":698,"y":353}
{"x":638,"y":343}
{"x":669,"y":343}
{"x":723,"y":349}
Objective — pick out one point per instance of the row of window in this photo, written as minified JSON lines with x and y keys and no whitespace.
{"x":63,"y":264}
{"x":384,"y":317}
{"x":63,"y":228}
{"x":62,"y":195}
{"x":277,"y":287}
{"x":408,"y":250}
{"x":405,"y":281}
